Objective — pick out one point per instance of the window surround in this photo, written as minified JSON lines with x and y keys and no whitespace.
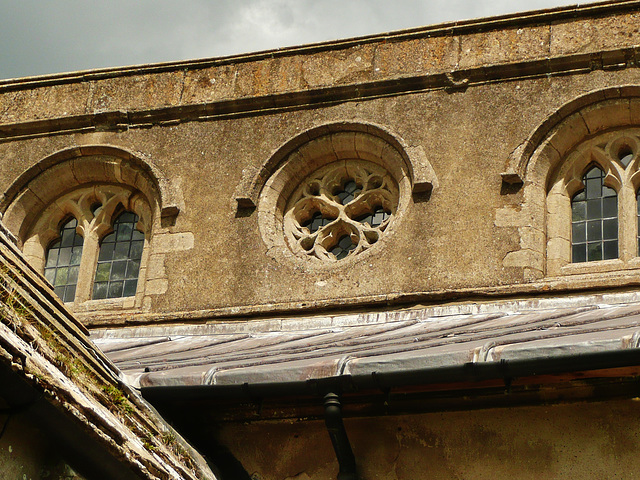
{"x":541,"y":214}
{"x":33,"y":196}
{"x":114,"y":199}
{"x":301,"y":157}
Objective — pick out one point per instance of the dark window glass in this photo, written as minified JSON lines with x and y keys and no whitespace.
{"x":344,"y":246}
{"x":119,"y":259}
{"x":625,"y":155}
{"x":350,"y":191}
{"x":594,"y":220}
{"x":63,"y":261}
{"x":317,"y":221}
{"x":376,"y":218}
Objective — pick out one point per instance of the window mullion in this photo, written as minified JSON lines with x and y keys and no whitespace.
{"x":626,"y":226}
{"x":87,"y":266}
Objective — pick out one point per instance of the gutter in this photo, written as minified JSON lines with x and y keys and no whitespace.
{"x":505,"y":370}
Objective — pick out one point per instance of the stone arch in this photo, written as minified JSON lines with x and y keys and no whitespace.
{"x":578,"y":119}
{"x":72,"y":168}
{"x":550,"y":165}
{"x":365,"y":138}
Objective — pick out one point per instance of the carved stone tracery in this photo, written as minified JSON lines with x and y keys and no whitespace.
{"x":341,"y":209}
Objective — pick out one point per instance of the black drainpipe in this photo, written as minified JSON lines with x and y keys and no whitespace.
{"x":339,"y":439}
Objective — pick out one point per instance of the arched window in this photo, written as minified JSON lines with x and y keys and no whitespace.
{"x":63,"y":260}
{"x":594,"y":220}
{"x":592,"y":206}
{"x":119,"y":259}
{"x":98,"y":252}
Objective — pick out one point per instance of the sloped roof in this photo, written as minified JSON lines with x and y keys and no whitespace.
{"x":303,"y":349}
{"x":74,"y":392}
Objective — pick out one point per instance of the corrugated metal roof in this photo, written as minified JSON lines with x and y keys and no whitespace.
{"x":222,"y":354}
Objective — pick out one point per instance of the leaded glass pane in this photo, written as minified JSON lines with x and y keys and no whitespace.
{"x":63,"y":258}
{"x":594,"y":221}
{"x":316,"y":221}
{"x":610,"y":207}
{"x":119,"y":259}
{"x":115,"y":289}
{"x":344,"y":246}
{"x":100,"y":290}
{"x":579,"y":232}
{"x":349,"y":192}
{"x":579,"y":210}
{"x":610,"y":250}
{"x":579,"y":253}
{"x":106,"y":250}
{"x":594,"y":251}
{"x":129,"y":288}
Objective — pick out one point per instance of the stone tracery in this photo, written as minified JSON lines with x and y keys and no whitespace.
{"x":340,"y":210}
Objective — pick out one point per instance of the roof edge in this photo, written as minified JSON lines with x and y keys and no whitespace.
{"x":448,"y":28}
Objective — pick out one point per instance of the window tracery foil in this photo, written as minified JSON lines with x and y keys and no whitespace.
{"x":340,"y":210}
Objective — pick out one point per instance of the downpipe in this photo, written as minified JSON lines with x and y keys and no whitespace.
{"x":339,"y":439}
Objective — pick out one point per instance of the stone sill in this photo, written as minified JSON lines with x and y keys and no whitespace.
{"x":607,"y":283}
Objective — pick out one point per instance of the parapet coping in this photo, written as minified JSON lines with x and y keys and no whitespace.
{"x":442,"y":29}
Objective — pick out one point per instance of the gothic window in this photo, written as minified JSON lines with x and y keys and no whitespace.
{"x":63,"y":261}
{"x":119,"y":259}
{"x":593,"y":206}
{"x":90,"y":243}
{"x":594,"y":232}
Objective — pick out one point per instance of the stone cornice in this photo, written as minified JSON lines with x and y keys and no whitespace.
{"x":453,"y":81}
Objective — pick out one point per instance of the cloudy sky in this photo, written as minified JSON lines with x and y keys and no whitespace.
{"x":50,"y":36}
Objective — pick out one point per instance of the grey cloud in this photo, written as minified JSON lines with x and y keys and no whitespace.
{"x":39,"y":37}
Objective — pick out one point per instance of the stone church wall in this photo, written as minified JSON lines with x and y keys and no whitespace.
{"x":450,"y":110}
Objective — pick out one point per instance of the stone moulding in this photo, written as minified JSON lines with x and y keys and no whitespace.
{"x":465,"y":27}
{"x":543,"y":217}
{"x":422,"y":176}
{"x":123,"y":167}
{"x":450,"y":80}
{"x":556,"y":126}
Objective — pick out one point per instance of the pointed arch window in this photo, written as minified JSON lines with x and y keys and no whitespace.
{"x":592,"y":206}
{"x":99,"y":248}
{"x":63,"y":260}
{"x":594,"y":220}
{"x":119,"y":259}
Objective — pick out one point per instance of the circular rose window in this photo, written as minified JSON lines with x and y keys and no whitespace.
{"x":340,"y":210}
{"x":331,"y":196}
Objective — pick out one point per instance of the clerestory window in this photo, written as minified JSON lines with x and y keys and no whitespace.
{"x":91,"y":243}
{"x":594,"y":221}
{"x":116,"y":271}
{"x":593,"y":206}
